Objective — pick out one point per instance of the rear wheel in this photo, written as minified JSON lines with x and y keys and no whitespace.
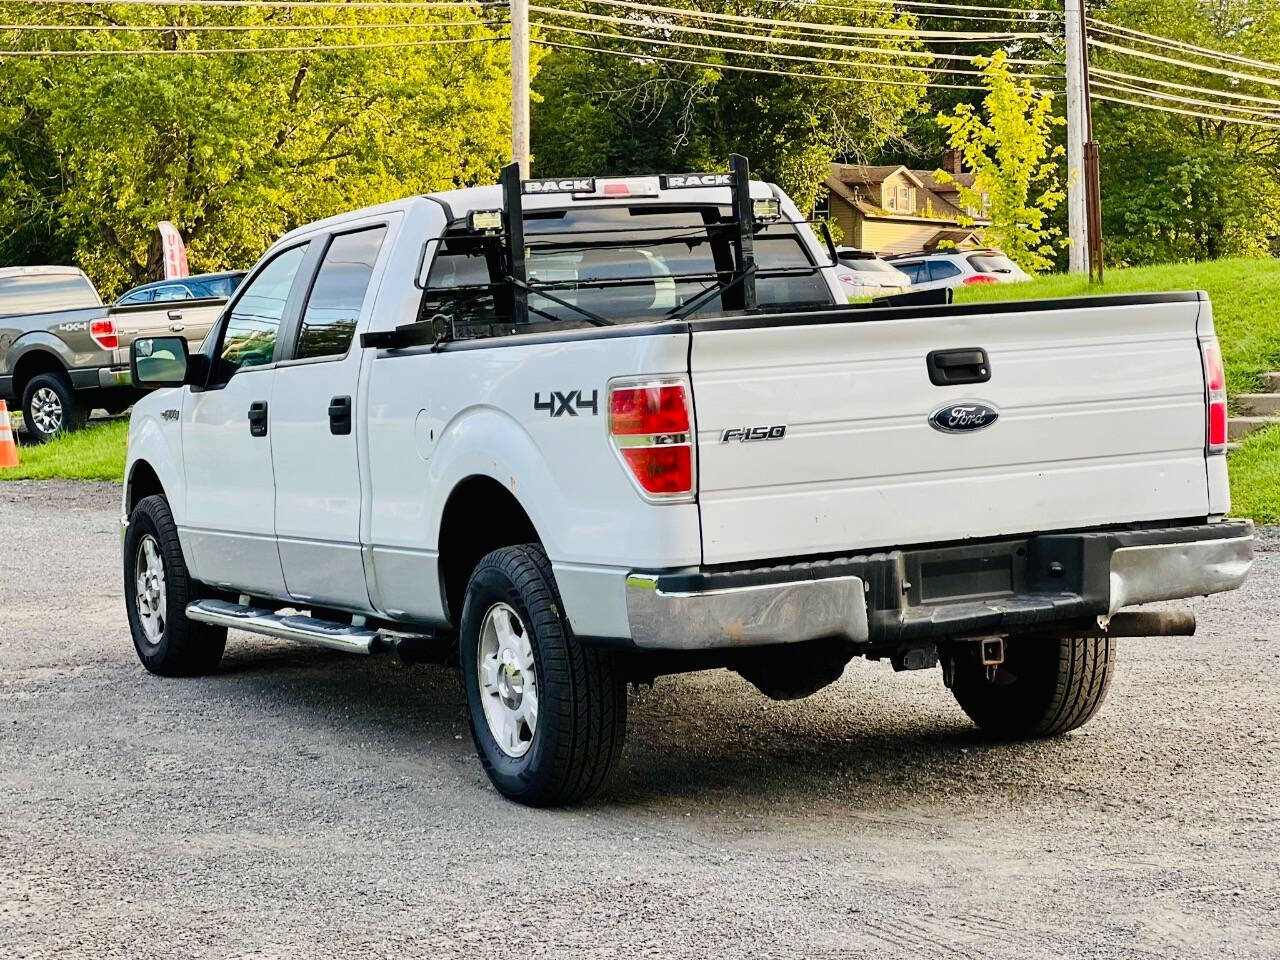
{"x":50,"y":406}
{"x":547,"y":714}
{"x":157,"y":589}
{"x":1042,"y":689}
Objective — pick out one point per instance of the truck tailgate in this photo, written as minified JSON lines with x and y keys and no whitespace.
{"x":1101,"y":419}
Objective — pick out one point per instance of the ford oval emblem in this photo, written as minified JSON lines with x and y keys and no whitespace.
{"x":963,"y":416}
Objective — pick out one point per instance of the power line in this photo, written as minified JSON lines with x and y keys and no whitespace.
{"x":760,"y":70}
{"x":1171,"y":85}
{"x":867,"y":64}
{"x":764,"y":38}
{"x":859,"y":64}
{"x":918,"y":4}
{"x":1146,"y":55}
{"x":1152,"y":40}
{"x":904,"y":32}
{"x":1187,"y":113}
{"x":241,"y":51}
{"x":282,"y":4}
{"x":1189,"y":101}
{"x":237,"y":28}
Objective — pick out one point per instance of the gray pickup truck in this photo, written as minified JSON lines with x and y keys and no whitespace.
{"x":63,"y":353}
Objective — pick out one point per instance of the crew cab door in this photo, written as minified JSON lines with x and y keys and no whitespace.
{"x":226,"y":435}
{"x":314,"y":437}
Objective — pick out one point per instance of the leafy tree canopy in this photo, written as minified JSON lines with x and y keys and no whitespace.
{"x":1178,"y":187}
{"x":601,"y":112}
{"x":234,"y":149}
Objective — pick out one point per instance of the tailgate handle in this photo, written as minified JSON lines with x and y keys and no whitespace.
{"x":948,"y":367}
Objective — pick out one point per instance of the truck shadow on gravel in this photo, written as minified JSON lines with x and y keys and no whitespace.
{"x":693,"y":741}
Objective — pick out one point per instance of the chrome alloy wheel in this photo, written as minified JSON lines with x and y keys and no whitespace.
{"x":46,"y":410}
{"x":508,"y":680}
{"x":148,"y":568}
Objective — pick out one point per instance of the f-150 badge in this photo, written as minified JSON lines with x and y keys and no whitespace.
{"x":963,"y":417}
{"x":748,"y":434}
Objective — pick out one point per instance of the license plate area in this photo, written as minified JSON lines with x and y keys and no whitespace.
{"x":957,"y":574}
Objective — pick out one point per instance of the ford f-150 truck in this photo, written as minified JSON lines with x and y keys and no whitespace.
{"x":63,"y":353}
{"x":579,"y":433}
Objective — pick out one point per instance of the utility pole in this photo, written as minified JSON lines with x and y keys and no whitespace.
{"x":1077,"y":135}
{"x":520,"y":85}
{"x":1092,"y":168}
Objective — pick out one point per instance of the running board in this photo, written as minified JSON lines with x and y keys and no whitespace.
{"x":296,"y":626}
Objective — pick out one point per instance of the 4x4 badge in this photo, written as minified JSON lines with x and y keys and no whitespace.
{"x":558,"y":403}
{"x":963,"y":417}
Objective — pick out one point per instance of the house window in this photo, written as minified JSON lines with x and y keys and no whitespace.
{"x":891,"y":198}
{"x":822,"y":206}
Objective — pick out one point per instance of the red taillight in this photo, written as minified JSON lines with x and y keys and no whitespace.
{"x":652,"y":408}
{"x":104,"y":334}
{"x":615,"y":190}
{"x":1215,"y":381}
{"x":979,"y":278}
{"x":651,"y":426}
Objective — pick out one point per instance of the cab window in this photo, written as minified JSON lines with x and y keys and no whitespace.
{"x":333,"y":307}
{"x":249,"y":339}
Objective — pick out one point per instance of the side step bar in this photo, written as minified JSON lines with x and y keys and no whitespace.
{"x":299,"y":627}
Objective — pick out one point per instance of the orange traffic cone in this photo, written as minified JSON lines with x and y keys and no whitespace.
{"x":8,"y":449}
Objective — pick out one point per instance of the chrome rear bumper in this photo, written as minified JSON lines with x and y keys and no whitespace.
{"x":1020,"y":585}
{"x":745,"y":616}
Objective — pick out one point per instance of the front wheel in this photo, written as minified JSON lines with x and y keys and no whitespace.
{"x":547,"y":714}
{"x":1042,"y":689}
{"x":157,"y":589}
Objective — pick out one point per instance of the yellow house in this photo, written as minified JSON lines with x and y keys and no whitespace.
{"x":891,"y":209}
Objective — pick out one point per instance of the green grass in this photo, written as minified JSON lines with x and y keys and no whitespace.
{"x":1255,"y":477}
{"x":96,"y":453}
{"x":1245,"y":296}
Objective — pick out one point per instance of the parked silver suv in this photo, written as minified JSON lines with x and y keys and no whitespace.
{"x":956,"y":268}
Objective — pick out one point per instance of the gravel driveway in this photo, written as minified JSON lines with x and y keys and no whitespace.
{"x":302,"y":803}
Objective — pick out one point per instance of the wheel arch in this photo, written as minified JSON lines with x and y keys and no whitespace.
{"x":33,"y":362}
{"x":141,"y":482}
{"x":480,"y":515}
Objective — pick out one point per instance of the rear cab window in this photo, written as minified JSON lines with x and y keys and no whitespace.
{"x":45,"y":292}
{"x":621,"y":263}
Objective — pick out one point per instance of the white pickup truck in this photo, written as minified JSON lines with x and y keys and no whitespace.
{"x":579,"y":433}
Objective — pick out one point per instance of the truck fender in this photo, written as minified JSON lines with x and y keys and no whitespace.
{"x":486,"y":441}
{"x":151,"y":447}
{"x":36,"y":342}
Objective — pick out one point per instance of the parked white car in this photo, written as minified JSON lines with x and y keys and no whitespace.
{"x":575,"y":434}
{"x":864,"y":274}
{"x":931,"y":271}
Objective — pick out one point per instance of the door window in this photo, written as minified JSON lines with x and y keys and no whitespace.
{"x":916,"y":272}
{"x":172,"y":291}
{"x":943,"y":269}
{"x":329,"y":320}
{"x":250,"y":336}
{"x":137,"y":296}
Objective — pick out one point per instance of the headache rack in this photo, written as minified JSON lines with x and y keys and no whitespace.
{"x":735,"y":277}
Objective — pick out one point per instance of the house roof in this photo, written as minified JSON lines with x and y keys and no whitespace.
{"x":859,"y":174}
{"x":931,"y":182}
{"x":959,"y":237}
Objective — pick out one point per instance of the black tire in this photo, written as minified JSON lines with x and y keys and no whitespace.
{"x":1044,"y":688}
{"x":184,"y":648}
{"x":581,"y":691}
{"x":41,"y":391}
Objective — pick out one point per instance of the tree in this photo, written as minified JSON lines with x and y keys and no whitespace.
{"x":1014,"y":163}
{"x":234,"y":149}
{"x":1178,"y":187}
{"x":631,"y":113}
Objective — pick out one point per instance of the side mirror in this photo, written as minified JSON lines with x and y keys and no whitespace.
{"x":159,"y":362}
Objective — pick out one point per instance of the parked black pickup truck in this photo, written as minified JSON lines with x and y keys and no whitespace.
{"x":64,"y":353}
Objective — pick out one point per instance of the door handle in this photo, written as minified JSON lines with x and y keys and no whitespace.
{"x":948,"y":367}
{"x":340,"y":416}
{"x":175,"y":314}
{"x":258,"y":418}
